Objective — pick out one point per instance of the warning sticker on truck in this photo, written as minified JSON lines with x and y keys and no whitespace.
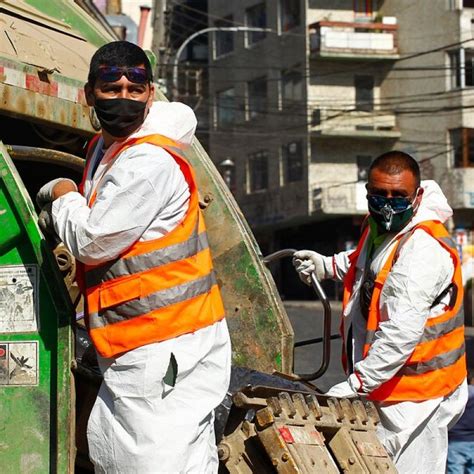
{"x":19,"y":363}
{"x":18,"y":298}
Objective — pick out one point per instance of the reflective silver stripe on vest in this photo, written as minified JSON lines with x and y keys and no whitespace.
{"x":154,"y":301}
{"x":432,"y":332}
{"x":439,"y":362}
{"x":437,"y":330}
{"x":147,"y":261}
{"x":448,"y":241}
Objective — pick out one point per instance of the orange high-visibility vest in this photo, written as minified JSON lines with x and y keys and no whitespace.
{"x":437,"y":365}
{"x":158,"y":289}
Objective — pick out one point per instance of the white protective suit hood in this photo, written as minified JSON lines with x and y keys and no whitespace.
{"x":433,"y":206}
{"x":174,"y":120}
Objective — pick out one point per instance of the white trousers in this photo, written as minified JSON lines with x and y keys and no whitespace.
{"x":141,"y":425}
{"x":415,"y":434}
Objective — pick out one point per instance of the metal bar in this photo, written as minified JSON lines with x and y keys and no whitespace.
{"x":316,"y":340}
{"x":326,"y":339}
{"x":174,"y":84}
{"x":47,"y":156}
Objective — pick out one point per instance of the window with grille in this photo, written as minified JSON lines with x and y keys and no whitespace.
{"x":293,"y":161}
{"x":224,"y":39}
{"x":256,"y":16}
{"x":257,"y":97}
{"x":258,"y":171}
{"x":462,"y":144}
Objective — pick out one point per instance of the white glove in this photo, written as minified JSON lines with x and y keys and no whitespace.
{"x":347,"y":389}
{"x":307,"y":262}
{"x":45,"y":194}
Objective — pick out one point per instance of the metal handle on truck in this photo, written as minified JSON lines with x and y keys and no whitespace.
{"x":327,"y":318}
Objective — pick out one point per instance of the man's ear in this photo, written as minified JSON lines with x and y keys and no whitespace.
{"x":89,"y":93}
{"x":418,"y":197}
{"x":151,"y":97}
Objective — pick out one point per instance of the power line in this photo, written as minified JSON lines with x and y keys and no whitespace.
{"x":286,"y":33}
{"x":358,"y":68}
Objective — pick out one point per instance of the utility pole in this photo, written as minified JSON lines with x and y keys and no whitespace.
{"x":160,"y":44}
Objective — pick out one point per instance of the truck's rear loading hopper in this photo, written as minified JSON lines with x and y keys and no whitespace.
{"x":43,"y":67}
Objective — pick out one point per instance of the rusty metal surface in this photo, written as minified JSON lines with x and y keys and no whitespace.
{"x":41,"y":108}
{"x":238,"y":455}
{"x":360,"y":451}
{"x":46,"y":156}
{"x":346,"y":453}
{"x":303,"y":433}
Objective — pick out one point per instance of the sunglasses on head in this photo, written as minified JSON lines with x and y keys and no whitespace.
{"x":398,"y":204}
{"x":137,"y":75}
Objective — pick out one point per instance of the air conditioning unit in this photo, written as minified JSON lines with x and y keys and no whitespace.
{"x":389,"y":20}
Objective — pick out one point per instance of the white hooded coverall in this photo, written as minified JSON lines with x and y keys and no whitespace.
{"x":139,"y":424}
{"x":414,"y":433}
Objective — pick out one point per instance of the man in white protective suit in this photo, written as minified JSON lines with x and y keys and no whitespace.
{"x":154,"y":311}
{"x":402,"y":321}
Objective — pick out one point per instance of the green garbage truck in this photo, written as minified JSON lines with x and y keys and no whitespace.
{"x":48,"y":379}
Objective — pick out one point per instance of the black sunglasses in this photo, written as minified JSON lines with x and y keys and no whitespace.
{"x":398,"y":204}
{"x":137,"y":75}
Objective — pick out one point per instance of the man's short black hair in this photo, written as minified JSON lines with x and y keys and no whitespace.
{"x":394,"y":162}
{"x":118,"y":53}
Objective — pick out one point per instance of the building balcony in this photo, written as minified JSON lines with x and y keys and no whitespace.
{"x":337,"y":39}
{"x":339,"y":199}
{"x":354,"y":123}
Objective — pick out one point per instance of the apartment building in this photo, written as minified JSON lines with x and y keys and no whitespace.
{"x":299,"y":111}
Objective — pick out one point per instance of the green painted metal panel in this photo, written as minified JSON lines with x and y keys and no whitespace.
{"x":36,"y":413}
{"x":66,"y":11}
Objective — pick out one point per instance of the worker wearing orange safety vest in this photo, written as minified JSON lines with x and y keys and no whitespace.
{"x":157,"y":289}
{"x":402,"y":321}
{"x":153,"y":306}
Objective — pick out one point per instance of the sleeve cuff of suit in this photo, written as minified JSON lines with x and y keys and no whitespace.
{"x":329,"y":268}
{"x":355,"y":382}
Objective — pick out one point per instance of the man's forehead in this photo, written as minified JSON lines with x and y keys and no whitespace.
{"x":381,"y":179}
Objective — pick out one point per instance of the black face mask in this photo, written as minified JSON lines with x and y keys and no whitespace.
{"x":120,"y":117}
